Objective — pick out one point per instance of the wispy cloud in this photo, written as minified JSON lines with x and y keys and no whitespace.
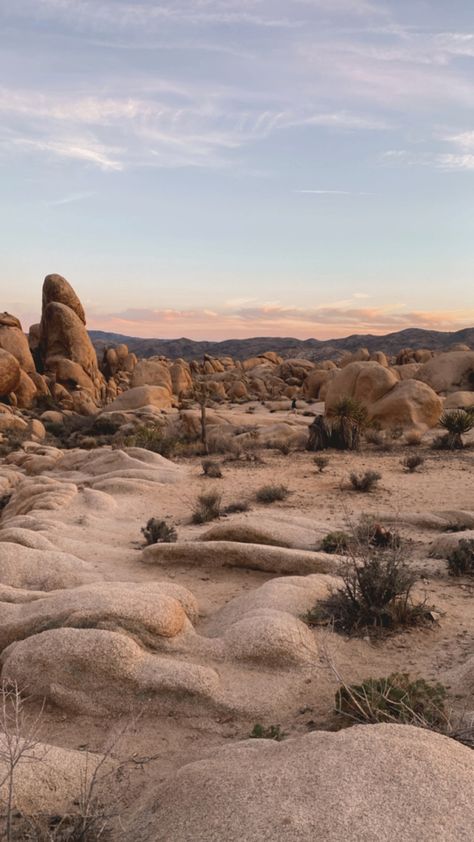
{"x":273,"y":319}
{"x":70,"y":199}
{"x":333,"y":193}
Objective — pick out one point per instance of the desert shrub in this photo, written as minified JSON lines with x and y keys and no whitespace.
{"x":159,"y":532}
{"x":156,"y":439}
{"x":237,"y":507}
{"x":272,"y":493}
{"x":411,"y":463}
{"x":321,"y":463}
{"x":375,"y":596}
{"x":221,"y":444}
{"x":369,"y":533}
{"x":12,"y":440}
{"x":365,"y":482}
{"x":461,"y":559}
{"x":396,"y":698}
{"x":413,"y":439}
{"x":335,"y":542}
{"x":374,"y":437}
{"x":272,"y":732}
{"x":212,"y":469}
{"x":396,"y":433}
{"x":282,"y":446}
{"x":104,"y":426}
{"x":208,"y":507}
{"x":456,"y":422}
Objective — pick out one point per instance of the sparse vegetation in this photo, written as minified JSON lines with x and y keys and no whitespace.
{"x":321,"y":463}
{"x":335,"y":542}
{"x":457,"y":422}
{"x":271,"y":732}
{"x":411,"y":463}
{"x":413,"y":439}
{"x":211,"y":468}
{"x":159,"y":532}
{"x":376,"y":594}
{"x":342,"y":430}
{"x":237,"y":507}
{"x":461,"y":559}
{"x":207,"y":508}
{"x":157,"y":439}
{"x":272,"y":493}
{"x":396,"y":698}
{"x":365,"y":482}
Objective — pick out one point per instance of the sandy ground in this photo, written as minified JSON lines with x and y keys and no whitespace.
{"x":154,"y":746}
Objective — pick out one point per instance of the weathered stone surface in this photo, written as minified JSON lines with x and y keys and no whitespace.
{"x":315,"y":788}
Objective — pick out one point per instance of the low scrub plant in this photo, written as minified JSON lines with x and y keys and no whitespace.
{"x":375,"y":596}
{"x":211,"y":468}
{"x":321,"y":463}
{"x":271,"y":732}
{"x":207,"y":508}
{"x":272,"y":493}
{"x":396,"y":698}
{"x":341,"y":430}
{"x":237,"y":507}
{"x":159,"y":532}
{"x":156,"y":439}
{"x":461,"y":559}
{"x":335,"y":542}
{"x":411,"y":463}
{"x":365,"y":482}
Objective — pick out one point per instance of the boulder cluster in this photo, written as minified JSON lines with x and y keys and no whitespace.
{"x":57,"y":366}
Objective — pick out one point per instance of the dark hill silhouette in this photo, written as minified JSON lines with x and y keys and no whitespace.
{"x":312,"y":349}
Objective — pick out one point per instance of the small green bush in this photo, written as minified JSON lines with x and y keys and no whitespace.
{"x":272,"y":493}
{"x":272,"y":732}
{"x":208,"y":507}
{"x":335,"y":542}
{"x":365,"y":482}
{"x":461,"y":559}
{"x":396,"y":698}
{"x":156,"y":439}
{"x":159,"y":532}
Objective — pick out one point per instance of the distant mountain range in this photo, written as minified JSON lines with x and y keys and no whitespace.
{"x":311,"y":349}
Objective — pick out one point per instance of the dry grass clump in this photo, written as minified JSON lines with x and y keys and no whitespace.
{"x":335,"y":542}
{"x":159,"y":532}
{"x":159,"y":439}
{"x":396,"y":698}
{"x":411,"y":463}
{"x":413,"y":439}
{"x":272,"y":493}
{"x":461,"y":559}
{"x":211,"y":468}
{"x":365,"y":482}
{"x":237,"y":507}
{"x":208,"y":507}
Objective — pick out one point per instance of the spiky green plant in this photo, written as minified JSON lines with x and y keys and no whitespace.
{"x":456,"y":422}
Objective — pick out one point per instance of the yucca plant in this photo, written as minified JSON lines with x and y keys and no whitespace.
{"x":456,"y":422}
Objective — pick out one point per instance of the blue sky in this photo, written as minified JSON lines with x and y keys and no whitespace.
{"x":218,"y":168}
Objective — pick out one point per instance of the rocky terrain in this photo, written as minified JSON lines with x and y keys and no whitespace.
{"x":189,"y":679}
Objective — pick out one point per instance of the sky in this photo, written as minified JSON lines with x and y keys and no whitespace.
{"x":231,"y":168}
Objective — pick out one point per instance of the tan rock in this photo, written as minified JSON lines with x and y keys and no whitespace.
{"x":140,"y":396}
{"x":364,"y":381}
{"x":152,"y":373}
{"x":10,"y":373}
{"x":312,"y":788}
{"x":410,"y":404}
{"x":57,"y":289}
{"x":26,"y":391}
{"x":451,"y":372}
{"x":13,"y":340}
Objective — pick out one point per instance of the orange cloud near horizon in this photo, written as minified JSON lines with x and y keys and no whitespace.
{"x":321,"y":323}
